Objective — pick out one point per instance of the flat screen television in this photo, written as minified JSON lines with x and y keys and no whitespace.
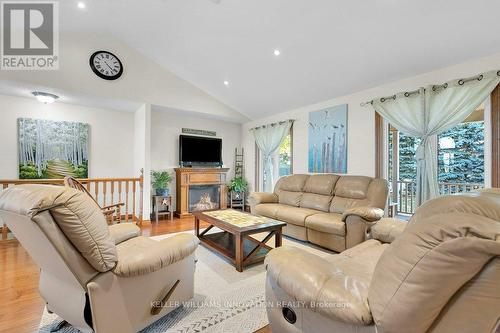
{"x":199,"y":151}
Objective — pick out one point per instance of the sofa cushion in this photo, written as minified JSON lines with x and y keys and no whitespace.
{"x":364,"y":255}
{"x":330,"y":223}
{"x":142,"y":255}
{"x":294,"y":215}
{"x":124,"y":231}
{"x":315,"y":201}
{"x":340,"y":205}
{"x":321,"y":184}
{"x":82,"y":221}
{"x":293,"y":183}
{"x":290,"y":198}
{"x":354,"y":187}
{"x":267,"y":209}
{"x":313,"y":280}
{"x":387,"y":229}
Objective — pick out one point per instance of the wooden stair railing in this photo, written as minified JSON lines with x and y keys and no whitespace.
{"x":105,"y":191}
{"x":111,"y":212}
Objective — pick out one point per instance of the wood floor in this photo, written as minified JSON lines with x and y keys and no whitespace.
{"x":20,"y":303}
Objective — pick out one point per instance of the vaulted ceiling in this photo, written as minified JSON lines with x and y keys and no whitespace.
{"x":328,"y":47}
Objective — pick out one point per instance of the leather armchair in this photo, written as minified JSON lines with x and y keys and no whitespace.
{"x":98,"y":278}
{"x":439,"y":273}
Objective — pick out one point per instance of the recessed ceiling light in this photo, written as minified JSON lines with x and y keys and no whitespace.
{"x":226,"y":83}
{"x":277,"y":52}
{"x":44,"y":97}
{"x":81,"y":5}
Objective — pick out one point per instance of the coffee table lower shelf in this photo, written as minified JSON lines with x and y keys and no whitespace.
{"x":225,"y":244}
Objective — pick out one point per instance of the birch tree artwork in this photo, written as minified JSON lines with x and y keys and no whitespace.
{"x":328,"y":140}
{"x":52,"y":149}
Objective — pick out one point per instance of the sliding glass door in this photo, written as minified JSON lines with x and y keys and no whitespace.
{"x":460,"y":158}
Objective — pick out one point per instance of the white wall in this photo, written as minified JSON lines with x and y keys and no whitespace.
{"x":111,"y":135}
{"x":142,"y":152}
{"x":166,"y":126}
{"x":361,"y":120}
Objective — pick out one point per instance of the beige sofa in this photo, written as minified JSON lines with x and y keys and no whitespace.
{"x":328,"y":210}
{"x":440,"y":275}
{"x":98,"y":279}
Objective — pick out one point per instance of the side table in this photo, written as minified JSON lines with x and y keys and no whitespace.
{"x":392,"y":208}
{"x":162,"y":205}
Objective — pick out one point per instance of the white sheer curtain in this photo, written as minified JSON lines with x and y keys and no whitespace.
{"x":269,"y":138}
{"x":426,"y":112}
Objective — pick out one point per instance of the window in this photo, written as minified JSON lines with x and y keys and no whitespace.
{"x":461,"y":155}
{"x":460,"y":159}
{"x":282,"y":163}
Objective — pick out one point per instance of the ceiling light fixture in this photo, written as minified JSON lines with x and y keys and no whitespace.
{"x":277,"y":52}
{"x":44,"y":97}
{"x":81,"y":5}
{"x":226,"y":83}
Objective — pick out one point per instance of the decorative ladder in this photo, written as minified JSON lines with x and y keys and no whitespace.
{"x":237,"y":200}
{"x":238,"y":163}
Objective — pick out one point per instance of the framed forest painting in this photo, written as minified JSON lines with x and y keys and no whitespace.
{"x":328,"y":140}
{"x":52,"y":149}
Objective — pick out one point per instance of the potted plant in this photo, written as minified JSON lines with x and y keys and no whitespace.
{"x":238,"y":185}
{"x":160,"y":180}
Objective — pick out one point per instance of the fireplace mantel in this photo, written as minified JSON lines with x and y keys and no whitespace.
{"x":186,"y":177}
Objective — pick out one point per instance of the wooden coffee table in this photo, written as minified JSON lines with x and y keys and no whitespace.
{"x":234,"y":241}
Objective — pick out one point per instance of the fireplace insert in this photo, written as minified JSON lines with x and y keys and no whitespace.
{"x":204,"y":197}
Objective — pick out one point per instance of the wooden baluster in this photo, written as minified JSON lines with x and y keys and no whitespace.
{"x":112,"y":185}
{"x":126,"y":199}
{"x":4,"y":226}
{"x":112,"y":188}
{"x":133,"y":198}
{"x":96,"y":191}
{"x":119,"y":191}
{"x":120,"y":195}
{"x":87,"y":184}
{"x":104,"y":192}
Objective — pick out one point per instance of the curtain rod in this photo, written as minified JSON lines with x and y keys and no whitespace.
{"x":272,"y":124}
{"x":460,"y":82}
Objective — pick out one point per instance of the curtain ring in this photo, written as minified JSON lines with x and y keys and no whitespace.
{"x":480,"y":77}
{"x":407,"y":94}
{"x":461,"y":82}
{"x":433,"y":88}
{"x":394,"y":97}
{"x":382,"y":99}
{"x":445,"y":85}
{"x":498,"y":73}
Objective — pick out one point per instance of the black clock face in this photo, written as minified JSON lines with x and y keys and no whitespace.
{"x":106,"y":65}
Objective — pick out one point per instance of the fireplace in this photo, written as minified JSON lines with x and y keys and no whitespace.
{"x":200,"y":188}
{"x":204,"y":197}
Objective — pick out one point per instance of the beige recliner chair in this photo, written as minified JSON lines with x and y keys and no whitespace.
{"x":97,"y":278}
{"x":440,"y":275}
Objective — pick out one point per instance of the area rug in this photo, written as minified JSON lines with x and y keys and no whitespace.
{"x":225,"y":299}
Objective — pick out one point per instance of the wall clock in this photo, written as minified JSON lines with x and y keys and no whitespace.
{"x":106,"y":65}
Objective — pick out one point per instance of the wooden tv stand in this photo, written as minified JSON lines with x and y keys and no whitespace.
{"x":186,"y":177}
